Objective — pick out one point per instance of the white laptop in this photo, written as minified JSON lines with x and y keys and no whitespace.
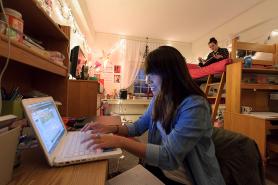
{"x":60,"y":147}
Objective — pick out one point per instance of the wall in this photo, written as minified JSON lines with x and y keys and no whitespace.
{"x":104,"y":42}
{"x":80,"y":12}
{"x":252,"y":25}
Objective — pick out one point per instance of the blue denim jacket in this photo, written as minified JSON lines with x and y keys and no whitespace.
{"x":189,"y":143}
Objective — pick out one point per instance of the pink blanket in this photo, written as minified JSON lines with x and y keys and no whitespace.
{"x":199,"y":72}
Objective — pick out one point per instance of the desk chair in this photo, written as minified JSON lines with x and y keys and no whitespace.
{"x":239,"y":158}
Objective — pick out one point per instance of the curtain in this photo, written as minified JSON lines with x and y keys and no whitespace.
{"x":132,"y":59}
{"x":154,"y":45}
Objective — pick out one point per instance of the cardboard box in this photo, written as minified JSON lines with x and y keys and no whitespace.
{"x":8,"y":145}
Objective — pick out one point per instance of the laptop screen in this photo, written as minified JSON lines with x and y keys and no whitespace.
{"x":48,"y":123}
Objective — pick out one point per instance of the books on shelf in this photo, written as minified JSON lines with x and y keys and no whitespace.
{"x":35,"y":48}
{"x":33,"y":42}
{"x":55,"y":57}
{"x":35,"y":45}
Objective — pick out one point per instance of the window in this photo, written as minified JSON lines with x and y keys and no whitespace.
{"x":140,"y":86}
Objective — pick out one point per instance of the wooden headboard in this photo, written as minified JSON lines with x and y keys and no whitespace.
{"x":264,"y":48}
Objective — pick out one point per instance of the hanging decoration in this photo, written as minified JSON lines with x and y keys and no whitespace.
{"x":104,"y":59}
{"x":146,"y":50}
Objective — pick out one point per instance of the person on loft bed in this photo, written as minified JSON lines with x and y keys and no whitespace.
{"x":216,"y":55}
{"x":180,"y":149}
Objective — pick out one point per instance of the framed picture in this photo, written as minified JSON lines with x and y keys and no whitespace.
{"x":117,"y":69}
{"x":101,"y":81}
{"x":117,"y":78}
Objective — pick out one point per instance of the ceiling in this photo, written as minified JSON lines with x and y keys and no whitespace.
{"x":176,"y":20}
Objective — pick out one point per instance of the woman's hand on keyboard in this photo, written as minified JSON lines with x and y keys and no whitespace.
{"x":96,"y":127}
{"x":104,"y":141}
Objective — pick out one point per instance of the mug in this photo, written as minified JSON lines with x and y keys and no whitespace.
{"x":245,"y":109}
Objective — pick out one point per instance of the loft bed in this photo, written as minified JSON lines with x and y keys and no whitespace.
{"x":252,"y":87}
{"x":251,"y":79}
{"x":258,"y":62}
{"x":197,"y":72}
{"x":245,"y":79}
{"x":206,"y":74}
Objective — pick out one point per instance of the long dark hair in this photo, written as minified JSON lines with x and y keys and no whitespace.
{"x":177,"y":84}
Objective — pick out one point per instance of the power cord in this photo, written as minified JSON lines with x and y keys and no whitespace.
{"x":9,"y":52}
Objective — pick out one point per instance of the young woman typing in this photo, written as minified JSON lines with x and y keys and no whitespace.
{"x":179,"y":149}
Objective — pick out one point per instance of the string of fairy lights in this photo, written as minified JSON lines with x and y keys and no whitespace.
{"x":60,"y":12}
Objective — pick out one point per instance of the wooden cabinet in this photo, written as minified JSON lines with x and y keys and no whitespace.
{"x":82,"y":98}
{"x":255,"y":94}
{"x":30,"y":69}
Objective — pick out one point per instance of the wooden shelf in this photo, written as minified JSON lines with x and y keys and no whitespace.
{"x":259,"y":86}
{"x":36,"y":22}
{"x":260,"y":71}
{"x":262,"y":115}
{"x":23,"y":54}
{"x":31,"y":68}
{"x":243,"y":89}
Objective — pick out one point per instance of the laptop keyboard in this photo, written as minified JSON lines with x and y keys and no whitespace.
{"x":74,"y":147}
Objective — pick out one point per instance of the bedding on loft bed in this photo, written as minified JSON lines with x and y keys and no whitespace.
{"x":197,"y":72}
{"x":263,"y":55}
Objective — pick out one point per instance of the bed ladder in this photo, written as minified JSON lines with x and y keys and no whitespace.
{"x":217,"y":98}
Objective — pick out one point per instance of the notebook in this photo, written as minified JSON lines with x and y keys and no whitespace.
{"x":60,"y":146}
{"x":138,"y":175}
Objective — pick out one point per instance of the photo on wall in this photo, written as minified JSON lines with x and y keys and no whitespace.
{"x":117,"y":69}
{"x":117,"y":78}
{"x":101,"y":81}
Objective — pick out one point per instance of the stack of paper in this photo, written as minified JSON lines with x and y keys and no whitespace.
{"x":135,"y":176}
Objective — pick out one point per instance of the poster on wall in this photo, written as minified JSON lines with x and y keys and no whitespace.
{"x":117,"y":78}
{"x":101,"y":81}
{"x":117,"y":69}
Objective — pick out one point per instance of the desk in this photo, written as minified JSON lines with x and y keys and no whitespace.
{"x":255,"y":127}
{"x":34,"y":169}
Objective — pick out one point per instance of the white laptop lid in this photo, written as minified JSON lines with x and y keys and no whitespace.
{"x":46,"y":122}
